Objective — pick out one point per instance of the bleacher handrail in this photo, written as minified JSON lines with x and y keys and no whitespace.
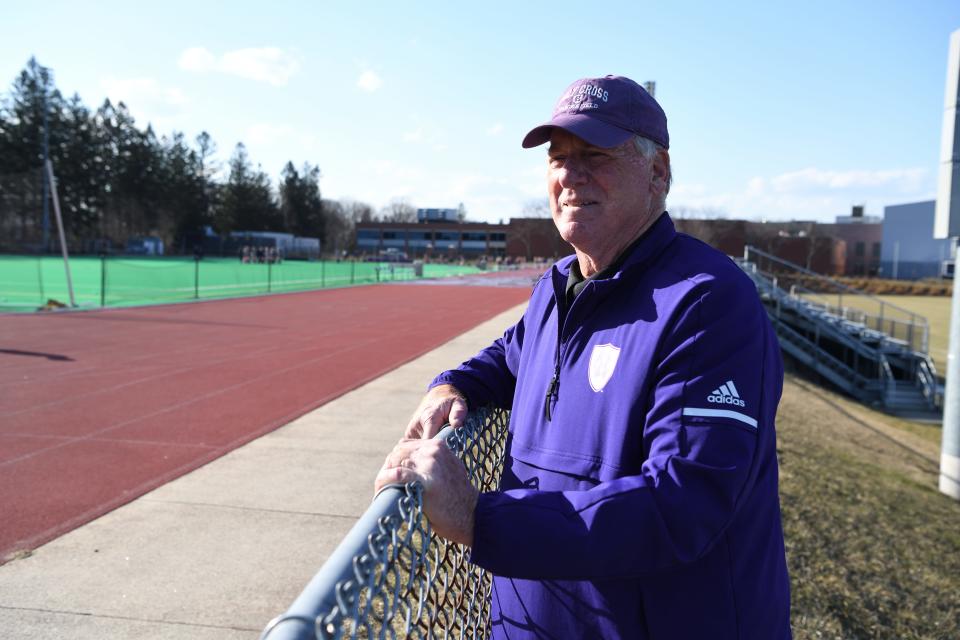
{"x":819,"y":276}
{"x":915,"y":319}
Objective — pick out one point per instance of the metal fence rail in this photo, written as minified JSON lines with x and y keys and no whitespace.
{"x":391,"y":576}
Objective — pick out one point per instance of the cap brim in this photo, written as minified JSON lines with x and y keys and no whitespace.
{"x":593,"y":131}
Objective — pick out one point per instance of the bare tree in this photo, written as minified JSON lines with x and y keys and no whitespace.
{"x":399,"y":210}
{"x":356,"y":211}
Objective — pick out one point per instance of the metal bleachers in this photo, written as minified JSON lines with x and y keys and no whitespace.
{"x":866,"y":347}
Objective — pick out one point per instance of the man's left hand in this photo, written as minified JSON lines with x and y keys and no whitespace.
{"x":448,"y":497}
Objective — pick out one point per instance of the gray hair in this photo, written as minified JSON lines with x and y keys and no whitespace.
{"x":648,"y":149}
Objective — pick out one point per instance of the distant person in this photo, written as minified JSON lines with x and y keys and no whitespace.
{"x":639,"y":495}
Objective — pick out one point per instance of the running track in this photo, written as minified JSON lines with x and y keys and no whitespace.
{"x":97,"y":408}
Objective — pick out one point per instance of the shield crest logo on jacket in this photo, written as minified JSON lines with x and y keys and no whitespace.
{"x":603,"y":360}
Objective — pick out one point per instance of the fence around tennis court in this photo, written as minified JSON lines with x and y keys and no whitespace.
{"x":391,"y":576}
{"x":27,"y":282}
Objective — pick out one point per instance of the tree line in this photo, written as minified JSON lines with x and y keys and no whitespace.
{"x":116,"y":180}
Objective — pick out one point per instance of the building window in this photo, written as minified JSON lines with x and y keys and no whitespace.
{"x":876,"y":249}
{"x":859,"y":249}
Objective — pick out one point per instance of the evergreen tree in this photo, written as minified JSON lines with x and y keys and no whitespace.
{"x":33,"y":101}
{"x":79,"y":165}
{"x":300,"y":203}
{"x":135,"y":161}
{"x":185,"y":192}
{"x":247,"y":202}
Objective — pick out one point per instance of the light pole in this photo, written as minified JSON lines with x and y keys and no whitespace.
{"x":947,"y":225}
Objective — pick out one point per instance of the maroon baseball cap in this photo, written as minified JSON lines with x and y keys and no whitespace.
{"x":605,"y":112}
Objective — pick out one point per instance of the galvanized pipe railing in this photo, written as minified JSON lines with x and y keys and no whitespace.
{"x":386,"y":578}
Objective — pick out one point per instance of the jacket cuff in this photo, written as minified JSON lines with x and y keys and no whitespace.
{"x":484,"y":515}
{"x":464,"y":384}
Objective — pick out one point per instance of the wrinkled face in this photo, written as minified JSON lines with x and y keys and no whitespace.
{"x":601,"y":199}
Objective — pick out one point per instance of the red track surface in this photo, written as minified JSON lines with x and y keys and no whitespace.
{"x":97,"y":408}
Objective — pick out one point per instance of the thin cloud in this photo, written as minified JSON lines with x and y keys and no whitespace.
{"x":265,"y":64}
{"x":369,"y":81}
{"x":495,"y":130}
{"x":809,"y":179}
{"x":811,"y":194}
{"x":148,"y":100}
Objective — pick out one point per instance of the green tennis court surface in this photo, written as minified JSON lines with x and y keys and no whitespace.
{"x":28,"y":282}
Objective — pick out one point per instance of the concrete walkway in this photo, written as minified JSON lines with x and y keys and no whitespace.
{"x":219,"y":552}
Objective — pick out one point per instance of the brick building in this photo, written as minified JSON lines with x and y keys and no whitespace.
{"x":521,"y":238}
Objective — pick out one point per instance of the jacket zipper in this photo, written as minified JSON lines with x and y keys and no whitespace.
{"x":553,"y":389}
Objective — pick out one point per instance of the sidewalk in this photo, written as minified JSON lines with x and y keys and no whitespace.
{"x":219,"y":552}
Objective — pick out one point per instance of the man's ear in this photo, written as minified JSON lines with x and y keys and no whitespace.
{"x":660,"y":171}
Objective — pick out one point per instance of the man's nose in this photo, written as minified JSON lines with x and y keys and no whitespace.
{"x":573,"y":172}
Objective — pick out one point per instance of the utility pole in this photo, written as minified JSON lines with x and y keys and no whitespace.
{"x":46,"y":179}
{"x":947,"y":225}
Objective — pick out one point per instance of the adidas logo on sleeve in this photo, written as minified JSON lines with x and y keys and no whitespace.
{"x":726,"y":394}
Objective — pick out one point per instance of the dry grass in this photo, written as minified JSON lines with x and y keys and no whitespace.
{"x":873,"y":547}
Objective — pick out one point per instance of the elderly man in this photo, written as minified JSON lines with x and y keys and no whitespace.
{"x":639,"y":497}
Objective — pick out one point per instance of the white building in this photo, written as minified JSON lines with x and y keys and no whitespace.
{"x":910,"y":251}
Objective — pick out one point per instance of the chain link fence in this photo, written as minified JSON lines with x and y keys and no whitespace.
{"x":30,"y":281}
{"x":391,"y":576}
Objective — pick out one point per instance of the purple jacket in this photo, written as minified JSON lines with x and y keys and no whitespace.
{"x":639,"y":497}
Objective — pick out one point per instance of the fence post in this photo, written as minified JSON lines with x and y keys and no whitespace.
{"x":40,"y":278}
{"x":353,"y":266}
{"x":196,"y":277}
{"x":103,"y":279}
{"x":323,"y":274}
{"x":269,"y":275}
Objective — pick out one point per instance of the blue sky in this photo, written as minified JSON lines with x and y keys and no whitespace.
{"x":776,"y":110}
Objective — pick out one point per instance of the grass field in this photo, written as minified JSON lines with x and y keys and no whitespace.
{"x":27,"y":282}
{"x":873,"y":547}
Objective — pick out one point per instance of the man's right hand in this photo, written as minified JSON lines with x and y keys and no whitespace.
{"x":442,"y":404}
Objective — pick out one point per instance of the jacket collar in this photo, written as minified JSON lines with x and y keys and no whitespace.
{"x":641,"y":253}
{"x":638,"y":255}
